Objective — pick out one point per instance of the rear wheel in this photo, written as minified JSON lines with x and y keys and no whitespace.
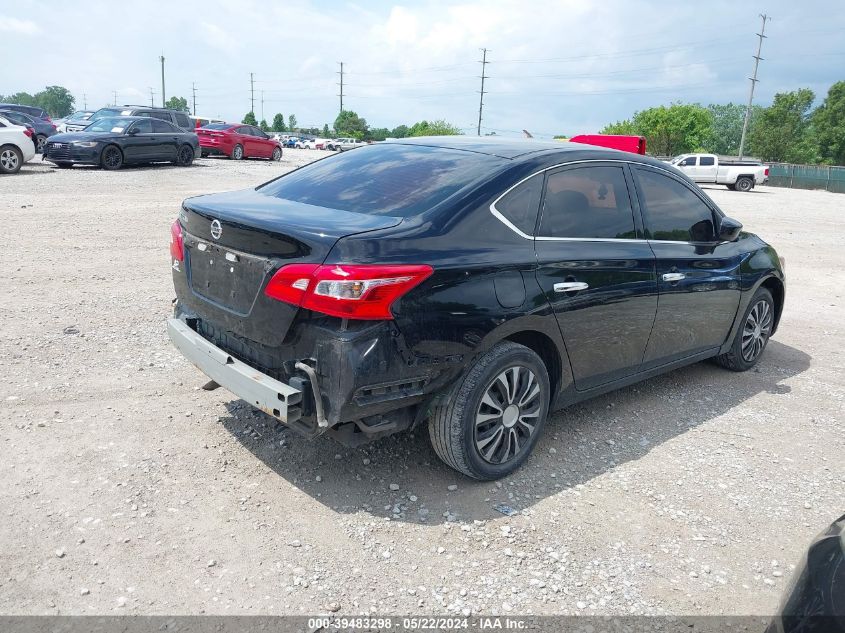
{"x":111,"y":158}
{"x":751,"y":339}
{"x":277,"y":153}
{"x":11,"y":159}
{"x":494,"y":414}
{"x":40,"y":141}
{"x":238,"y":152}
{"x":744,"y":184}
{"x":185,"y":156}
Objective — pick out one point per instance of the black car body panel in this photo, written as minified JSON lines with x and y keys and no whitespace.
{"x":494,"y":279}
{"x":157,"y":144}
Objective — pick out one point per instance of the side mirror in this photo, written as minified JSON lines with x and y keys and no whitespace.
{"x":729,"y":229}
{"x":132,"y":131}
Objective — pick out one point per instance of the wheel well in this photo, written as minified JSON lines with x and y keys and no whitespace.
{"x":749,"y":176}
{"x":546,"y":349}
{"x":775,"y":286}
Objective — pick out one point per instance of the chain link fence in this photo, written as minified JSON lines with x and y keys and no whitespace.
{"x":807,"y":177}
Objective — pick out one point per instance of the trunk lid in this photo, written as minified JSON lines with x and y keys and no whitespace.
{"x":234,"y":242}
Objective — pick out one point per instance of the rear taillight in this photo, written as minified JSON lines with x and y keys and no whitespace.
{"x":767,"y":171}
{"x":28,"y":132}
{"x":177,"y":252}
{"x":358,"y":291}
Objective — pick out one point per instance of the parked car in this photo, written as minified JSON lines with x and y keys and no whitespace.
{"x":76,"y":119}
{"x":736,"y":175}
{"x":345,"y":144}
{"x":16,"y":146}
{"x":815,"y":601}
{"x":202,"y":121}
{"x":476,"y":283}
{"x":33,"y":111}
{"x":623,"y":142}
{"x":303,"y":143}
{"x":291,"y":142}
{"x":112,"y":142}
{"x":43,"y":129}
{"x":176,"y":117}
{"x":238,"y":141}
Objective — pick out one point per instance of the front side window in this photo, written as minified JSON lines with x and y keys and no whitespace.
{"x":587,"y":203}
{"x":672,"y":211}
{"x":520,"y":204}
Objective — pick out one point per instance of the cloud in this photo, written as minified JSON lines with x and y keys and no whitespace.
{"x":219,"y":38}
{"x":22,"y":27}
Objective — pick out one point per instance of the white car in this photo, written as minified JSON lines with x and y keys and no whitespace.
{"x":16,"y":146}
{"x":736,"y":175}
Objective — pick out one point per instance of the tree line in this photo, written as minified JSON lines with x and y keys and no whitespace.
{"x":788,"y":131}
{"x":56,"y":100}
{"x":350,"y":124}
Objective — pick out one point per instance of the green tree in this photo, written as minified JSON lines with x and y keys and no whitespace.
{"x":279,"y":123}
{"x":400,"y":131}
{"x":325,"y":130}
{"x":263,"y":125}
{"x":621,"y":127}
{"x":249,"y":119}
{"x":435,"y":128}
{"x":782,"y":132}
{"x":56,"y":100}
{"x":829,"y":124}
{"x":378,"y":133}
{"x":21,"y":98}
{"x":177,"y":103}
{"x":292,"y":123}
{"x":726,"y":129}
{"x":673,"y":130}
{"x":348,"y":123}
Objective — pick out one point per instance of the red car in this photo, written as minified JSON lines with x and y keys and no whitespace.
{"x":237,"y":141}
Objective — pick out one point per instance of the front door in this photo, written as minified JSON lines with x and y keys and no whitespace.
{"x":138,"y":145}
{"x":596,"y":271}
{"x":698,"y":277}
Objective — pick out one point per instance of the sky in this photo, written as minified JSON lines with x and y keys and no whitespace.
{"x":555,"y":67}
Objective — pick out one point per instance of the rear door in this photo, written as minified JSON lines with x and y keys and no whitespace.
{"x":698,"y":277}
{"x":596,"y":270}
{"x":139,"y":146}
{"x":165,"y":141}
{"x":245,"y":139}
{"x":705,"y":170}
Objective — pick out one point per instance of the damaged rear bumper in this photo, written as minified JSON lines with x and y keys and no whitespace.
{"x":272,"y":396}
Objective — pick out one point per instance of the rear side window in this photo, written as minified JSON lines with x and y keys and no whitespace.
{"x":672,"y":212}
{"x":164,"y":116}
{"x":390,"y":179}
{"x":162,"y":127}
{"x":587,"y":202}
{"x":182,"y":120}
{"x":706,"y":161}
{"x":521,"y":204}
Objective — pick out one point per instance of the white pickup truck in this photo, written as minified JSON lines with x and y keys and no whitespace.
{"x":345,"y":144}
{"x":736,"y":175}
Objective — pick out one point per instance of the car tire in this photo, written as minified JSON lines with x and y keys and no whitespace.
{"x":185,"y":156}
{"x":753,"y":336}
{"x":237,"y":152}
{"x":40,"y":142}
{"x":111,"y":158}
{"x":277,"y":153}
{"x":744,"y":184}
{"x":11,"y":159}
{"x":483,"y":427}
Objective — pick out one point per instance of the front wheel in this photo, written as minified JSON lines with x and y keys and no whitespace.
{"x":752,"y":337}
{"x":11,"y":159}
{"x":494,"y":414}
{"x":277,"y":153}
{"x":111,"y":158}
{"x":185,"y":156}
{"x":744,"y":184}
{"x":238,"y":152}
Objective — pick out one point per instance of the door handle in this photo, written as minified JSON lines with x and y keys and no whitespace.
{"x":571,"y":286}
{"x":671,"y":277}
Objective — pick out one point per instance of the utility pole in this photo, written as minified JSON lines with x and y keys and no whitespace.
{"x":162,"y":80}
{"x":484,"y":63}
{"x":341,"y":86}
{"x":252,"y":94}
{"x":262,"y":105}
{"x":115,"y":96}
{"x":84,"y":101}
{"x":761,"y":35}
{"x":194,"y":90}
{"x":151,"y":96}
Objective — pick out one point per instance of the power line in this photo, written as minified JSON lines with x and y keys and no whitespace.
{"x":484,"y":63}
{"x":341,"y":86}
{"x":761,"y":36}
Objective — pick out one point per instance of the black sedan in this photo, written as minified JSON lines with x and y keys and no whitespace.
{"x":116,"y":141}
{"x":476,"y":285}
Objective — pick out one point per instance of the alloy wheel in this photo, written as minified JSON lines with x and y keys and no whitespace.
{"x":186,"y":154}
{"x":507,"y":415}
{"x":112,"y":157}
{"x":756,"y":331}
{"x":8,"y":160}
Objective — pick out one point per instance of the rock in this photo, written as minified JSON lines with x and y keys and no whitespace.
{"x":385,"y":554}
{"x":581,"y":605}
{"x":333,"y":606}
{"x":318,"y":479}
{"x":295,"y":543}
{"x":84,"y":591}
{"x":366,"y":461}
{"x":71,"y":329}
{"x":60,"y":553}
{"x":212,"y":563}
{"x":452,"y":487}
{"x":121,"y":601}
{"x":394,"y":486}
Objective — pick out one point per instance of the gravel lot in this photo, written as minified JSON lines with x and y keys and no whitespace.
{"x":127,"y":489}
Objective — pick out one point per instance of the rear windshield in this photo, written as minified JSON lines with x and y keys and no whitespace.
{"x":217,"y":126}
{"x":397,"y":180}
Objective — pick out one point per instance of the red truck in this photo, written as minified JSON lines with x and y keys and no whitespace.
{"x":634,"y":144}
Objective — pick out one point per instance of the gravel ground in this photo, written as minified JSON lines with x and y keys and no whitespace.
{"x":127,"y":489}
